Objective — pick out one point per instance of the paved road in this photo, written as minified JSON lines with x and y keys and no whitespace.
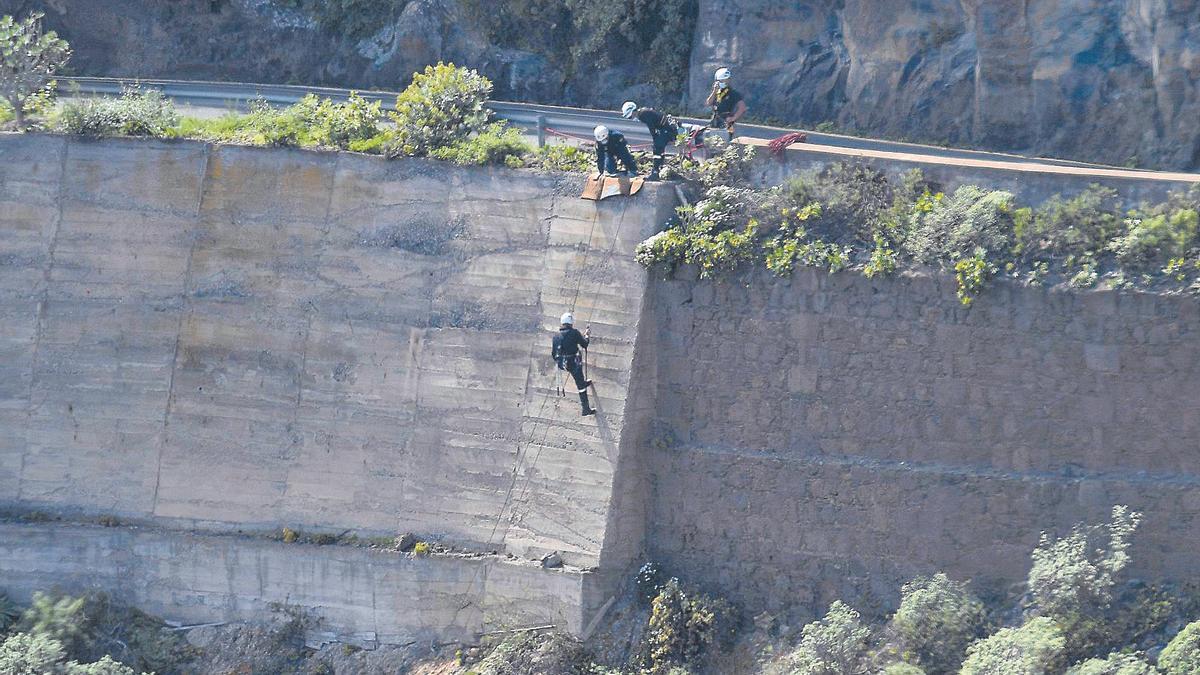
{"x":578,"y":123}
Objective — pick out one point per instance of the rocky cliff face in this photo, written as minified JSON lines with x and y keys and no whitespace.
{"x":1103,"y":80}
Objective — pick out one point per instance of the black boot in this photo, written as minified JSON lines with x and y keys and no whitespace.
{"x":587,"y":407}
{"x":658,"y":162}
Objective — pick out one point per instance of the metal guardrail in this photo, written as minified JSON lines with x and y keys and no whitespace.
{"x":537,"y":118}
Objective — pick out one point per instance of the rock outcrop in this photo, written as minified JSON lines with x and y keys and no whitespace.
{"x":1103,"y":80}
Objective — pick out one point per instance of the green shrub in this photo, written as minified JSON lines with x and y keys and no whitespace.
{"x":1114,"y":664}
{"x":937,"y":620}
{"x":1182,"y":655}
{"x":731,"y":166}
{"x":1031,"y":649}
{"x":61,"y":618}
{"x":685,"y":628}
{"x":561,"y":157}
{"x":25,"y":654}
{"x":902,"y":669}
{"x":1152,"y":239}
{"x":443,"y":105}
{"x":970,"y":275}
{"x":134,"y":113}
{"x":339,"y":124}
{"x":883,"y":259}
{"x":838,"y":644}
{"x":498,"y":143}
{"x":853,"y":197}
{"x":1061,"y":227}
{"x":954,"y":227}
{"x":29,"y":58}
{"x":1075,"y":575}
{"x":668,"y":247}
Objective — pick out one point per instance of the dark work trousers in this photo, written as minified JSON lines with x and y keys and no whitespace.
{"x":626,"y":157}
{"x":574,"y":365}
{"x":662,"y":138}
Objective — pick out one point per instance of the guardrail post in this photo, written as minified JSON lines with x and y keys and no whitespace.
{"x":541,"y":130}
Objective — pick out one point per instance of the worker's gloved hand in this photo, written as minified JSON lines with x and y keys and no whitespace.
{"x":587,"y":332}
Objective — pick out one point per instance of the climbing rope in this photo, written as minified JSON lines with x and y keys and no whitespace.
{"x":778,"y":145}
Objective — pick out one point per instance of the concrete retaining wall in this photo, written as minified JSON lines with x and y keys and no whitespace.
{"x":360,"y":595}
{"x":228,"y":338}
{"x":832,"y":436}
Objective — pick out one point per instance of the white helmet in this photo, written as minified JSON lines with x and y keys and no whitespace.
{"x":567,"y":319}
{"x":601,"y":133}
{"x":722,"y":75}
{"x":628,"y":109}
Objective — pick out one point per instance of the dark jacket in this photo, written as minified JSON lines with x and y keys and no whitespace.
{"x":616,"y":146}
{"x":567,"y":343}
{"x":725,"y":105}
{"x":657,"y":121}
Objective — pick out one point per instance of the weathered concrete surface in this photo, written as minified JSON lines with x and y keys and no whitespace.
{"x":235,"y":337}
{"x":831,"y":436}
{"x":359,"y":594}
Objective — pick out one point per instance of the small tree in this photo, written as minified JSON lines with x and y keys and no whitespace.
{"x":1029,"y":650}
{"x":443,"y":105}
{"x":29,"y":58}
{"x":936,"y":621}
{"x":1115,"y":664}
{"x":1182,"y":655}
{"x":838,"y":644}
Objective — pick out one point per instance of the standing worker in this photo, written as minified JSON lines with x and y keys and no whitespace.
{"x":663,"y":131}
{"x":610,"y":147}
{"x":728,"y":104}
{"x":565,"y":352}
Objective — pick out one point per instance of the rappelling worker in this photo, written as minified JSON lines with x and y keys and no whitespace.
{"x":565,"y":352}
{"x":611,"y":147}
{"x":664,"y":129}
{"x":728,"y":104}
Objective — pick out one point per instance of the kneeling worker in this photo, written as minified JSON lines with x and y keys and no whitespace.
{"x":610,"y":147}
{"x":728,"y":104}
{"x":565,"y":352}
{"x":663,"y":131}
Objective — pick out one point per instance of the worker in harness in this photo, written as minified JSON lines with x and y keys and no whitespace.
{"x":728,"y":104}
{"x":664,"y":129}
{"x":611,"y":147}
{"x":565,"y":352}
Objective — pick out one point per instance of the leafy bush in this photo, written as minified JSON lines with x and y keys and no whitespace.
{"x":135,"y":113}
{"x":902,"y":669}
{"x":498,"y":143}
{"x":1114,"y":664}
{"x":730,"y":166}
{"x":1062,"y":227}
{"x":339,"y":124}
{"x":530,"y":652}
{"x":668,"y":247}
{"x":970,"y":274}
{"x":1030,"y":649}
{"x":561,"y":157}
{"x":29,"y":58}
{"x":1152,"y":239}
{"x":853,"y":198}
{"x":59,"y":617}
{"x":443,"y":105}
{"x":26,"y":654}
{"x":685,"y":627}
{"x":1182,"y":655}
{"x":954,"y":227}
{"x":838,"y":644}
{"x":937,"y":620}
{"x":883,"y":259}
{"x":1075,"y":575}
